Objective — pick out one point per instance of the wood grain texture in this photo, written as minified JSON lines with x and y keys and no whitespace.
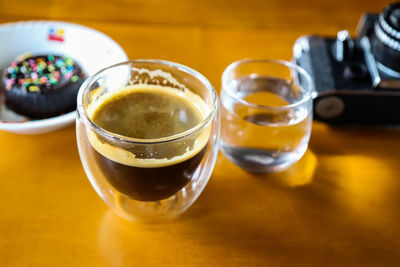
{"x":339,"y":205}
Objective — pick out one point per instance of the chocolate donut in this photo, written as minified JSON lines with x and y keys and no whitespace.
{"x":42,"y":86}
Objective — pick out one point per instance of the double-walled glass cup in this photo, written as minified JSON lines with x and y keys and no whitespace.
{"x":266,"y":114}
{"x":148,"y":179}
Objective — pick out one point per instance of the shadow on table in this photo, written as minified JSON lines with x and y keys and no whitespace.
{"x":342,"y":140}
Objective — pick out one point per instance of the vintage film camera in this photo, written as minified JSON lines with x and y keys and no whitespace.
{"x":357,"y":80}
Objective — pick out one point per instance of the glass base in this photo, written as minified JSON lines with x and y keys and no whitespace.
{"x":261,"y":160}
{"x":151,"y":211}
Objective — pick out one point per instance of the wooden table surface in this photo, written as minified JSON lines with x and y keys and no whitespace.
{"x":339,"y":205}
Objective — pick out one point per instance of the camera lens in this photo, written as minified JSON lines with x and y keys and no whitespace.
{"x":385,"y":41}
{"x":394,"y":18}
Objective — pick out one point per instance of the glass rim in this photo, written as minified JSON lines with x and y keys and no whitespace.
{"x":290,"y":65}
{"x":114,"y":136}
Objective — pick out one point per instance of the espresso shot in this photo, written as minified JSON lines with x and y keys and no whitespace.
{"x":148,"y":136}
{"x":148,"y":112}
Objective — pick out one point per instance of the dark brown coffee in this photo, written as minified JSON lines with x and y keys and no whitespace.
{"x":149,"y":172}
{"x":148,"y":184}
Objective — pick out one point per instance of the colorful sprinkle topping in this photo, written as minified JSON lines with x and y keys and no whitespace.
{"x":39,"y":73}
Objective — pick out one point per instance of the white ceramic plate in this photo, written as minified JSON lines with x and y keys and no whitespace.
{"x":92,"y":49}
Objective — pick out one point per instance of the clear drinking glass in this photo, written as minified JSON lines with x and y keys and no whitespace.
{"x":266,"y":114}
{"x":148,"y":179}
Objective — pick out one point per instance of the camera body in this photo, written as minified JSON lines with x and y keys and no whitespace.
{"x":357,"y":81}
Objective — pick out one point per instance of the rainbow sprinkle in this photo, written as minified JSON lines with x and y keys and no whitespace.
{"x":35,"y":74}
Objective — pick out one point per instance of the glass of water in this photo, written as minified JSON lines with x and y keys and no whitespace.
{"x":266,"y":114}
